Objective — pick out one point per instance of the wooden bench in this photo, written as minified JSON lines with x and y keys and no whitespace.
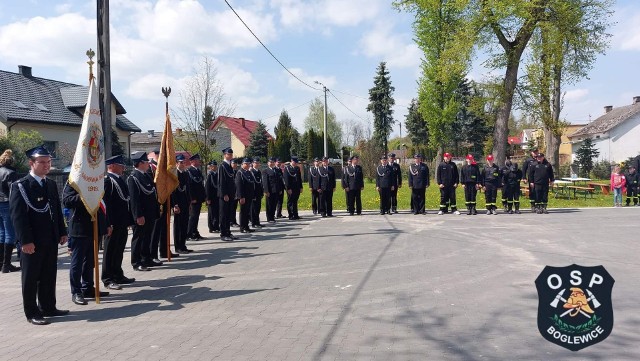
{"x":604,"y":187}
{"x":582,"y":190}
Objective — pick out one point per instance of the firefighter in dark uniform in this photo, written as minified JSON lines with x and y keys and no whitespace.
{"x":39,"y":226}
{"x":116,"y":200}
{"x":353,"y":184}
{"x":491,"y":180}
{"x":226,"y":195}
{"x":272,"y":187}
{"x":314,"y":185}
{"x":245,"y":186}
{"x":397,"y":173}
{"x":448,"y":178}
{"x":531,"y":160}
{"x":418,"y":182}
{"x":293,"y":185}
{"x":197,"y":194}
{"x":236,"y":164}
{"x":541,"y":179}
{"x":279,"y":169}
{"x":327,"y":187}
{"x":180,"y":201}
{"x":471,"y":179}
{"x":256,"y":202}
{"x":511,"y":177}
{"x":143,"y":202}
{"x":211,"y":191}
{"x":633,"y":181}
{"x":385,"y":182}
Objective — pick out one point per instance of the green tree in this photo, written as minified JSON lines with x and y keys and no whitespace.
{"x":380,"y":104}
{"x":315,"y":121}
{"x":19,"y":142}
{"x":472,"y":129}
{"x":283,"y":132}
{"x":416,"y":125}
{"x":116,"y":147}
{"x":259,"y":142}
{"x":585,"y":155}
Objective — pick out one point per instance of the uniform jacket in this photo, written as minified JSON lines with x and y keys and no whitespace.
{"x":527,"y":164}
{"x":511,"y":176}
{"x":314,"y":178}
{"x":226,"y":181}
{"x":143,"y":199}
{"x":196,"y":187}
{"x":211,"y":186}
{"x":292,"y":178}
{"x":419,"y":176}
{"x":385,"y":177}
{"x":397,"y":173}
{"x":80,"y":223}
{"x":180,"y":195}
{"x":633,"y":180}
{"x":491,"y":175}
{"x":470,"y":173}
{"x":116,"y":200}
{"x":541,"y":173}
{"x":257,"y":179}
{"x":327,"y":178}
{"x":353,"y":178}
{"x":8,"y":175}
{"x":280,"y":176}
{"x":447,"y":174}
{"x":270,"y":181}
{"x":245,"y":184}
{"x":30,"y":225}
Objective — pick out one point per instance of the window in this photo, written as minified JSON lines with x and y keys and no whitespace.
{"x":19,"y":104}
{"x":52,"y":147}
{"x":42,"y":107}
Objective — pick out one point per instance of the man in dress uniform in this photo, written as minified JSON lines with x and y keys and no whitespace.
{"x":397,"y":172}
{"x":447,"y":178}
{"x":385,"y":182}
{"x":226,"y":195}
{"x":237,"y":165}
{"x":143,"y":202}
{"x":197,"y":194}
{"x":511,"y":177}
{"x":293,"y":185}
{"x":256,"y":202}
{"x":280,"y":173}
{"x":245,"y":187}
{"x":418,"y":182}
{"x":211,"y":189}
{"x":353,"y":185}
{"x":116,"y":200}
{"x":39,"y":227}
{"x":471,"y":178}
{"x":540,"y":180}
{"x":633,"y":181}
{"x":314,"y":185}
{"x":272,"y":186}
{"x":531,"y":160}
{"x":327,"y":187}
{"x":491,"y":180}
{"x":180,"y":201}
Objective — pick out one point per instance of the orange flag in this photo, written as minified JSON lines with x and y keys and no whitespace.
{"x":166,"y":173}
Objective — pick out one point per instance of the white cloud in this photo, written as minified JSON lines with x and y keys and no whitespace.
{"x":149,"y":86}
{"x":328,"y":81}
{"x":305,"y":15}
{"x":627,"y":32}
{"x":575,"y":95}
{"x":63,"y":8}
{"x":398,"y":50}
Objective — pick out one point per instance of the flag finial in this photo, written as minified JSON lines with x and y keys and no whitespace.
{"x":90,"y":54}
{"x":166,"y":92}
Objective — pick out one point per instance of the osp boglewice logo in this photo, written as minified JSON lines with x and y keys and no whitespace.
{"x":574,"y":305}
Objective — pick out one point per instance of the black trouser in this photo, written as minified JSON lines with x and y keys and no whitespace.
{"x":226,"y":213}
{"x":212,"y":215}
{"x":632,"y":194}
{"x":417,"y":200}
{"x":511,"y":195}
{"x":292,"y":203}
{"x":470,"y":192}
{"x":232,"y":216}
{"x":279,"y":202}
{"x":354,"y":201}
{"x":394,"y":199}
{"x":315,"y":198}
{"x":180,"y":234}
{"x":113,"y":254}
{"x":532,"y":195}
{"x":245,"y":214}
{"x":326,"y":202}
{"x":385,"y":200}
{"x":81,"y":266}
{"x":256,"y":204}
{"x":159,"y":235}
{"x":141,"y":243}
{"x":271,"y":203}
{"x":542,"y":194}
{"x":194,"y":217}
{"x":448,"y":198}
{"x":39,"y":271}
{"x":490,"y":195}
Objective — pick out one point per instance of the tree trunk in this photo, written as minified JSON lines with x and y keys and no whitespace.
{"x":501,"y":130}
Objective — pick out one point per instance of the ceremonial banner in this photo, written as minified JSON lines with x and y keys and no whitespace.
{"x":88,"y":169}
{"x":166,"y":172}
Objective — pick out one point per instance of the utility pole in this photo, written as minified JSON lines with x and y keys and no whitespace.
{"x":104,"y":73}
{"x":326,"y":148}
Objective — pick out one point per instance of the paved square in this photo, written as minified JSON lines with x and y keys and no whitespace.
{"x":369,"y":287}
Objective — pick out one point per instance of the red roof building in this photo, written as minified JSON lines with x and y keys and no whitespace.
{"x":239,"y":133}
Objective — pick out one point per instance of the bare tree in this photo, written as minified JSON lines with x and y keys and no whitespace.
{"x":202,"y":100}
{"x":353,"y":132}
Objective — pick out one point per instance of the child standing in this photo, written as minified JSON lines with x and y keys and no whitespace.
{"x":617,"y":183}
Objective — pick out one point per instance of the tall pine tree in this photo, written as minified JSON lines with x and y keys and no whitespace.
{"x":585,"y":156}
{"x":259,"y":142}
{"x":380,"y":104}
{"x":416,"y":126}
{"x":283,"y":132}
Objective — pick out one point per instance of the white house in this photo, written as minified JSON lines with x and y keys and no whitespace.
{"x":616,"y":134}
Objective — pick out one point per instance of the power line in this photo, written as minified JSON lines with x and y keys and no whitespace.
{"x":286,"y":110}
{"x":267,"y":49}
{"x":353,"y":95}
{"x":344,"y":105}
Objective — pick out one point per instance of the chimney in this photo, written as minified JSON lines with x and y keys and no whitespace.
{"x":607,"y":108}
{"x":150,"y":133}
{"x":178,"y":131}
{"x":242,"y":122}
{"x":25,"y":71}
{"x":636,"y":100}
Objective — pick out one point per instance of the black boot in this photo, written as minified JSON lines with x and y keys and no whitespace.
{"x":469,"y":210}
{"x":474,"y":210}
{"x":6,"y":265}
{"x":517,"y":208}
{"x":544,"y":209}
{"x":510,"y":208}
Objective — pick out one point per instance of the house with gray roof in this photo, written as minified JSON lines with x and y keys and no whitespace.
{"x":52,"y":108}
{"x":615,"y":134}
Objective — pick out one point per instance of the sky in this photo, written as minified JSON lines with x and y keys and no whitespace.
{"x":339,"y":43}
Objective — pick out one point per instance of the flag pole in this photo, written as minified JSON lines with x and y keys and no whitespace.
{"x":166,"y":92}
{"x":90,"y":53}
